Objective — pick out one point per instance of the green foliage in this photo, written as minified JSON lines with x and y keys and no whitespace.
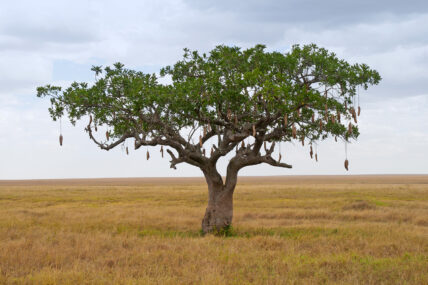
{"x":254,"y":86}
{"x":226,"y":231}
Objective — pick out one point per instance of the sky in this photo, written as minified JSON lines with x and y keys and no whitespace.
{"x":57,"y":42}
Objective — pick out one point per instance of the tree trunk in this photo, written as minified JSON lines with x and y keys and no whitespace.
{"x":219,"y":213}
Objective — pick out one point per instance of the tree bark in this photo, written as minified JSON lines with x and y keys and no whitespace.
{"x":219,"y":213}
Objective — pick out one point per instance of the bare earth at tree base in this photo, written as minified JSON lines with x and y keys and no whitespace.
{"x":291,"y":229}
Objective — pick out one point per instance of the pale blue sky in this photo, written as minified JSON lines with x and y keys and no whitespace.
{"x":57,"y":42}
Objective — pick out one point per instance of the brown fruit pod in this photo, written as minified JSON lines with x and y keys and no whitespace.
{"x":205,"y":131}
{"x":200,"y":141}
{"x":335,"y":139}
{"x":313,"y":118}
{"x":161,"y":150}
{"x":254,"y":130}
{"x":346,"y":164}
{"x":303,"y":141}
{"x":333,"y":119}
{"x":61,"y":138}
{"x":127,"y":151}
{"x":90,"y":120}
{"x":316,"y":157}
{"x":96,"y":129}
{"x":212,"y":151}
{"x":285,"y":120}
{"x":353,"y":113}
{"x":147,"y":155}
{"x":350,"y":128}
{"x":279,"y":158}
{"x":229,"y":114}
{"x":298,"y":112}
{"x":294,"y":131}
{"x":236,"y":120}
{"x":321,"y":125}
{"x":107,"y":135}
{"x":242,"y":144}
{"x":359,"y":110}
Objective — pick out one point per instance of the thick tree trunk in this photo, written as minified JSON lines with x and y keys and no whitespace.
{"x":219,"y":213}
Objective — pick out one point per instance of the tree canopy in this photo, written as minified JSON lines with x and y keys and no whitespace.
{"x":229,"y":94}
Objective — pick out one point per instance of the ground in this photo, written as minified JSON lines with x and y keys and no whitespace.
{"x":286,"y":230}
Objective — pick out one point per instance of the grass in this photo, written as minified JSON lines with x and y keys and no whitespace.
{"x":304,"y":232}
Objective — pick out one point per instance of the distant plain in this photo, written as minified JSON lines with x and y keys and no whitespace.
{"x":368,"y":229}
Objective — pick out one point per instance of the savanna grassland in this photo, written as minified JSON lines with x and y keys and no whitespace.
{"x":287,"y":230}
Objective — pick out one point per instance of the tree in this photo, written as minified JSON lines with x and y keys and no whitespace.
{"x":220,"y":99}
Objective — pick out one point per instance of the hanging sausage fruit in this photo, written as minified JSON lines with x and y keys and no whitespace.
{"x":353,"y":113}
{"x":61,"y":138}
{"x":346,"y":164}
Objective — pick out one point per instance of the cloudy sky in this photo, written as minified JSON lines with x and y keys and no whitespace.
{"x":57,"y":42}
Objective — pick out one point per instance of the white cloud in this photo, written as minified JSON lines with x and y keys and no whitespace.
{"x":36,"y":36}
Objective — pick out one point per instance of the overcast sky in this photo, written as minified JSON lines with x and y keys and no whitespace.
{"x":57,"y":42}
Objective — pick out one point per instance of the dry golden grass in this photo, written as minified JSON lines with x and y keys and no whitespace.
{"x":293,"y":230}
